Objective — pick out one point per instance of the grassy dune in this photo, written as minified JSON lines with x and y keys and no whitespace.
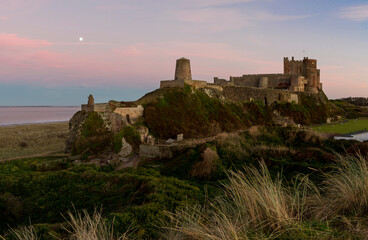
{"x":33,"y":139}
{"x":351,"y":126}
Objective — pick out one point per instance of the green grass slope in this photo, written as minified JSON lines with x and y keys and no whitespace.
{"x":344,"y":127}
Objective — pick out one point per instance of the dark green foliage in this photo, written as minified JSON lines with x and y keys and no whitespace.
{"x":286,"y":150}
{"x":139,"y":195}
{"x":311,"y":110}
{"x":181,"y":165}
{"x":351,"y":110}
{"x":195,"y":114}
{"x":131,"y":136}
{"x":94,"y":137}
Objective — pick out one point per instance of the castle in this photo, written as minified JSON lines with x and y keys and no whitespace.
{"x":299,"y":76}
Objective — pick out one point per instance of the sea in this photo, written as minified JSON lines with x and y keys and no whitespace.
{"x":32,"y":115}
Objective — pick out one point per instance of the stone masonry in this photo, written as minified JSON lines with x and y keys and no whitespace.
{"x":298,"y":76}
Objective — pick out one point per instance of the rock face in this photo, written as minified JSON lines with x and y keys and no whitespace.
{"x":143,"y":133}
{"x":126,"y":148}
{"x":112,"y":121}
{"x":75,"y":123}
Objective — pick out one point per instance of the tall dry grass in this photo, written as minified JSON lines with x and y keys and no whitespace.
{"x":345,"y":191}
{"x":25,"y":233}
{"x":254,"y":206}
{"x":79,"y":226}
{"x":83,"y":226}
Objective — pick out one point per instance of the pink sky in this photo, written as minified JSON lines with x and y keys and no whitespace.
{"x":131,"y":45}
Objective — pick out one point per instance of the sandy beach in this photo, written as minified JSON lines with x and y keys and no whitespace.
{"x":32,"y":139}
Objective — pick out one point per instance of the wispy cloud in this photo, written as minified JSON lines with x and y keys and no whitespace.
{"x":268,"y":16}
{"x":4,"y":18}
{"x":355,"y":13}
{"x":223,"y":19}
{"x":13,"y":41}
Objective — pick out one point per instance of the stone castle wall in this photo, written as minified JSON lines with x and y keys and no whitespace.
{"x":248,"y":93}
{"x":257,"y":80}
{"x":97,"y":107}
{"x":130,"y":114}
{"x":172,"y":84}
{"x":196,"y":84}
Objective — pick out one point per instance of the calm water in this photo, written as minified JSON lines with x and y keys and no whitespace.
{"x":25,"y":115}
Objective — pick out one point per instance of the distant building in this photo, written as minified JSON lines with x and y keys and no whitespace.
{"x":360,"y":136}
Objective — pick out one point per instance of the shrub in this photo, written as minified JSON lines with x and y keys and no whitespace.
{"x":193,"y":114}
{"x":94,"y":137}
{"x":131,"y":136}
{"x":23,"y":144}
{"x":206,"y":168}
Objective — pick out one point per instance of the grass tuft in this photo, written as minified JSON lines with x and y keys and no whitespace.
{"x":346,"y":189}
{"x":25,"y":233}
{"x":83,"y":226}
{"x":254,"y":206}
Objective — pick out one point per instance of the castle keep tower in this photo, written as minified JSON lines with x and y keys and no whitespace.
{"x":182,"y":70}
{"x":307,"y":68}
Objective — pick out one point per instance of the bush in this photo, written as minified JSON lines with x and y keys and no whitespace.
{"x":193,"y":114}
{"x":131,"y":136}
{"x":94,"y":137}
{"x":140,"y":195}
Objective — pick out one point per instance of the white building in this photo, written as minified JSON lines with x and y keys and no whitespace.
{"x":360,"y":136}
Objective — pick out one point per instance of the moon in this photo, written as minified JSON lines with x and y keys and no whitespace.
{"x":81,"y":39}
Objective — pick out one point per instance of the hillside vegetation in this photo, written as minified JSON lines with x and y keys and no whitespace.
{"x":198,"y":114}
{"x":251,"y":179}
{"x":344,"y":127}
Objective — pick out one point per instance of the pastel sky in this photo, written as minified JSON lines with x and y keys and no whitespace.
{"x":130,"y":45}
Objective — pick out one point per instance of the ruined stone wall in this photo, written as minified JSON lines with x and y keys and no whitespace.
{"x":196,"y":84}
{"x":129,"y":114}
{"x":155,"y":151}
{"x":87,"y":108}
{"x":248,"y":93}
{"x":102,"y":107}
{"x":172,"y":83}
{"x":220,"y":81}
{"x":97,"y":107}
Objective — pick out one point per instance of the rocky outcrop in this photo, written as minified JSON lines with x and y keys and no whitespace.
{"x":126,"y":148}
{"x":112,"y":122}
{"x":75,"y":124}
